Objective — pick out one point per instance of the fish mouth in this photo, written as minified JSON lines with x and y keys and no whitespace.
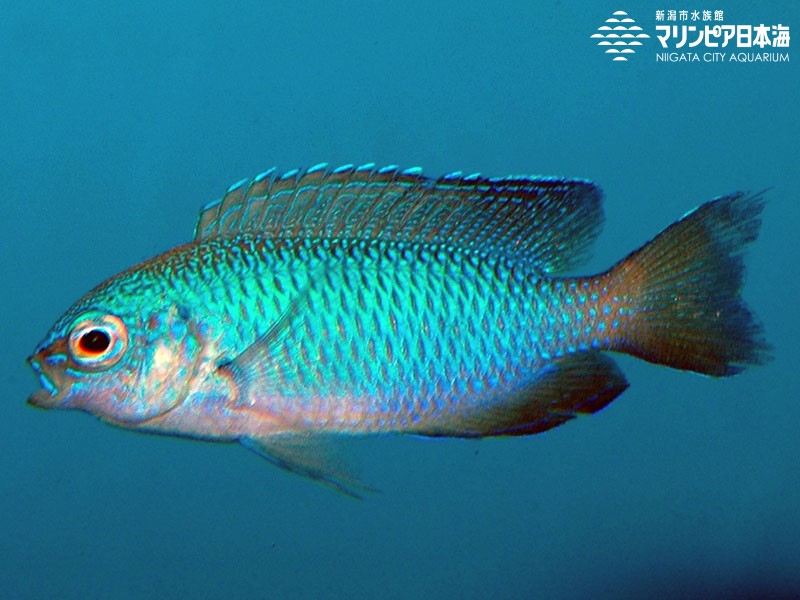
{"x":47,"y":397}
{"x":42,"y":399}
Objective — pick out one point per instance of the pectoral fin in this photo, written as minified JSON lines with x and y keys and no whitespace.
{"x":255,"y":367}
{"x":318,"y":457}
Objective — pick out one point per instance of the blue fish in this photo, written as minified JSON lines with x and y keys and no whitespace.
{"x":330,"y":303}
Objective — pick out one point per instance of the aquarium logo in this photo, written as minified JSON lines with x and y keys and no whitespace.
{"x":720,"y":42}
{"x":620,"y":35}
{"x":696,"y":36}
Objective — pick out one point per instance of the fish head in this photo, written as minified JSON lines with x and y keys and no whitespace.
{"x":126,"y":367}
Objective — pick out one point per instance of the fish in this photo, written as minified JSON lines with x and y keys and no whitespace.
{"x":321,"y":305}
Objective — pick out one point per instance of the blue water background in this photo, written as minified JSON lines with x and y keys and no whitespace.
{"x":119,"y":120}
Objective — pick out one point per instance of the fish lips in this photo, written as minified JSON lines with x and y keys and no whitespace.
{"x":48,"y":396}
{"x":42,"y":399}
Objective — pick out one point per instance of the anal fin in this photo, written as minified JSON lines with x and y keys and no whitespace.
{"x":579,"y":383}
{"x":317,"y":457}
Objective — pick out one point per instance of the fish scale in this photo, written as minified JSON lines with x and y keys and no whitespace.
{"x":320,"y":305}
{"x":389,"y":307}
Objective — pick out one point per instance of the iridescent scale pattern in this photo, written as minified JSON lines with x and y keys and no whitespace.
{"x":375,"y":336}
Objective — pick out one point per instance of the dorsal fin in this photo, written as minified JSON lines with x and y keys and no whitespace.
{"x":546,"y":221}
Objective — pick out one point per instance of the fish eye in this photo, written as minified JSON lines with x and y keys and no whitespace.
{"x":98,"y":340}
{"x":94,"y":341}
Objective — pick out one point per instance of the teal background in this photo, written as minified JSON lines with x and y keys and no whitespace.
{"x":120,"y":120}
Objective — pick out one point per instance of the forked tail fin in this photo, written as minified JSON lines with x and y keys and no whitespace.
{"x":685,"y":286}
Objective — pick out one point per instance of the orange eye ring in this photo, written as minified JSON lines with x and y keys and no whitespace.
{"x":98,"y":340}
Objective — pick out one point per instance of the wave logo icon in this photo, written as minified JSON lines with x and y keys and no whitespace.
{"x":620,"y":35}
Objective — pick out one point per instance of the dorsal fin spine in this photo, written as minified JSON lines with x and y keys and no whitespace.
{"x":237,"y":185}
{"x":542,"y":221}
{"x":264,"y":175}
{"x":317,"y":167}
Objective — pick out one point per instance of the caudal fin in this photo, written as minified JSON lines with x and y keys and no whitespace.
{"x":684,"y":285}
